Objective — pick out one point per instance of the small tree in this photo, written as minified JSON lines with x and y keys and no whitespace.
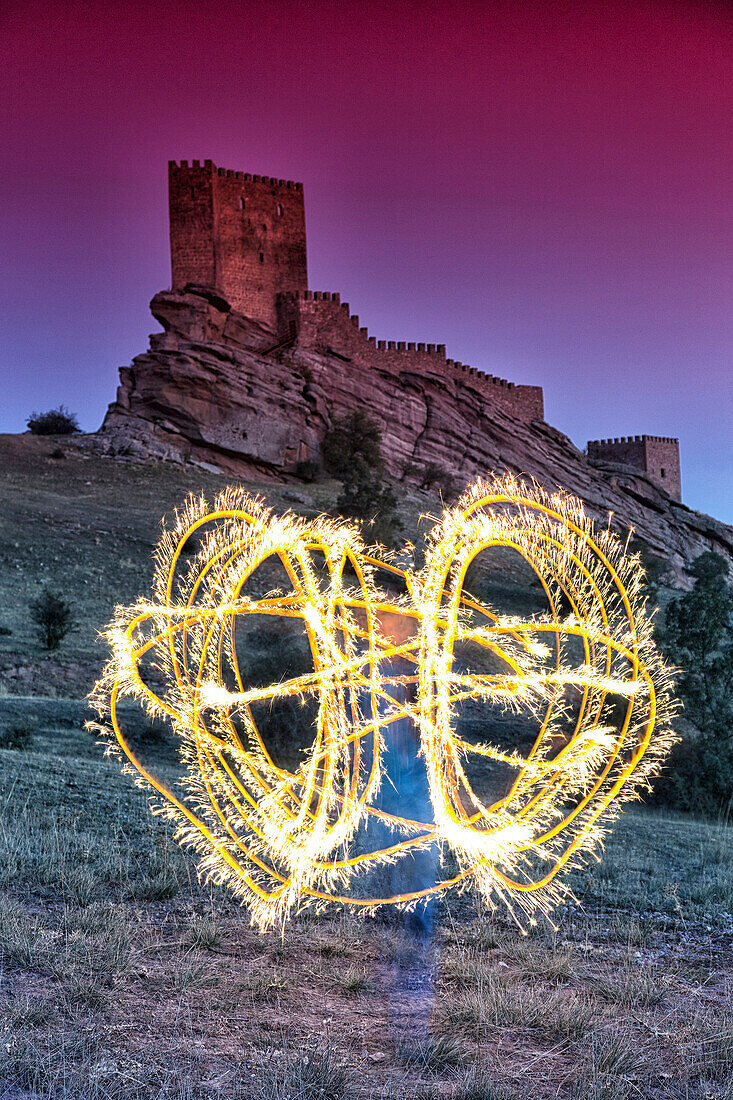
{"x":366,"y":498}
{"x":54,"y":422}
{"x":351,"y":452}
{"x":53,"y":617}
{"x":350,"y":440}
{"x":698,"y":636}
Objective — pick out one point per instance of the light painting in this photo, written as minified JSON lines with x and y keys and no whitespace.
{"x":391,"y":644}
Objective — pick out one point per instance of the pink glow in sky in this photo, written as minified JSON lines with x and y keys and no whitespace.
{"x":543,"y":187}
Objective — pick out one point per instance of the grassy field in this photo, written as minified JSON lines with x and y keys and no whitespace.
{"x":122,"y":977}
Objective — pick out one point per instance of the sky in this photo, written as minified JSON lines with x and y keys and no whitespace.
{"x":541,"y":185}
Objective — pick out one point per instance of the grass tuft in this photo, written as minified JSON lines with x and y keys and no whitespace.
{"x":312,"y":1076}
{"x":433,"y":1053}
{"x":354,"y":980}
{"x":479,"y":1084}
{"x":630,"y":985}
{"x":495,"y":1003}
{"x":204,"y":932}
{"x":26,"y":1011}
{"x":615,"y":1052}
{"x":537,"y":960}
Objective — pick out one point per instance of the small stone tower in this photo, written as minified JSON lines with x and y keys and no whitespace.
{"x":240,"y":234}
{"x":658,"y":456}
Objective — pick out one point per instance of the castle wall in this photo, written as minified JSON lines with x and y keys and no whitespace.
{"x":240,"y":233}
{"x":191,"y":207}
{"x":658,"y":456}
{"x":663,"y":463}
{"x":322,"y":321}
{"x":244,"y":236}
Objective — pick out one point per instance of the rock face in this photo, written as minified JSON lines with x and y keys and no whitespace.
{"x":219,"y":389}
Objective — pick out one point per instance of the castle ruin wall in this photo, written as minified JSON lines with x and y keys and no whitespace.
{"x":322,"y":321}
{"x":241,"y":234}
{"x":658,"y":456}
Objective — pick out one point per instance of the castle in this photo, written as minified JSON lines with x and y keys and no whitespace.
{"x":657,"y":455}
{"x":243,"y":237}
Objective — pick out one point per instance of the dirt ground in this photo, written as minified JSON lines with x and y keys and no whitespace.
{"x":122,"y":976}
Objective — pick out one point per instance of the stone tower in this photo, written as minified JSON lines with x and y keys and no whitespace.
{"x":241,"y":234}
{"x":658,"y":456}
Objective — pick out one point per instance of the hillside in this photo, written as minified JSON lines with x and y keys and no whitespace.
{"x":124,"y":977}
{"x":87,"y":526}
{"x":214,"y":389}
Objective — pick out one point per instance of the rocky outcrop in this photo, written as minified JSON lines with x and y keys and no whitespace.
{"x":221,"y":390}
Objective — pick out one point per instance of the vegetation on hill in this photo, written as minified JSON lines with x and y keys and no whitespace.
{"x":58,"y":421}
{"x":698,"y":638}
{"x":53,"y":618}
{"x":351,"y":453}
{"x":104,"y":925}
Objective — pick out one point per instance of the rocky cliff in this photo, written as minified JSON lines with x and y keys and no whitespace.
{"x":220,"y":390}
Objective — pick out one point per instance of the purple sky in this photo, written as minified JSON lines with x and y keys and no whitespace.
{"x":543,"y":187}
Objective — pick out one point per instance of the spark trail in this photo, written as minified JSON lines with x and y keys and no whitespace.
{"x":586,"y":673}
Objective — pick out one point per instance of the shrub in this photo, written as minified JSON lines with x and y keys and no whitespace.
{"x":434,"y":477}
{"x":352,"y":439}
{"x":54,"y":422}
{"x":18,"y":736}
{"x":367,"y":499}
{"x":308,"y":470}
{"x":53,"y":618}
{"x":698,"y":636}
{"x":351,"y":452}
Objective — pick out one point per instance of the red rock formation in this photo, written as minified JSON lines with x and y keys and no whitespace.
{"x":211,"y":390}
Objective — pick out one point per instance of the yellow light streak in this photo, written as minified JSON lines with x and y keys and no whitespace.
{"x":283,"y":838}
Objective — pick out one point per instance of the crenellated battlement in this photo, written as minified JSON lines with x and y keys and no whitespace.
{"x":632,"y":439}
{"x":323,"y":321}
{"x":658,"y":456}
{"x":241,"y":234}
{"x":229,"y":173}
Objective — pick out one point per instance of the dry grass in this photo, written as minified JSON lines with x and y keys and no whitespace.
{"x":635,"y":984}
{"x":183,"y":999}
{"x":495,"y":1003}
{"x":122,"y":978}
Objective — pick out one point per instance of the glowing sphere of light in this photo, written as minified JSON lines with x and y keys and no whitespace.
{"x":282,"y":838}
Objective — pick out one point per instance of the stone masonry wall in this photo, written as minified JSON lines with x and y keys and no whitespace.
{"x":322,"y":321}
{"x":658,"y":456}
{"x":239,"y":233}
{"x":663,"y":463}
{"x":244,"y":236}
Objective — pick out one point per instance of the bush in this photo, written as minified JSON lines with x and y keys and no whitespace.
{"x":353,"y":439}
{"x":54,"y":422}
{"x":367,"y":499}
{"x":351,"y":452}
{"x":16,"y":737}
{"x":308,"y":470}
{"x":53,"y":617}
{"x":698,"y":637}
